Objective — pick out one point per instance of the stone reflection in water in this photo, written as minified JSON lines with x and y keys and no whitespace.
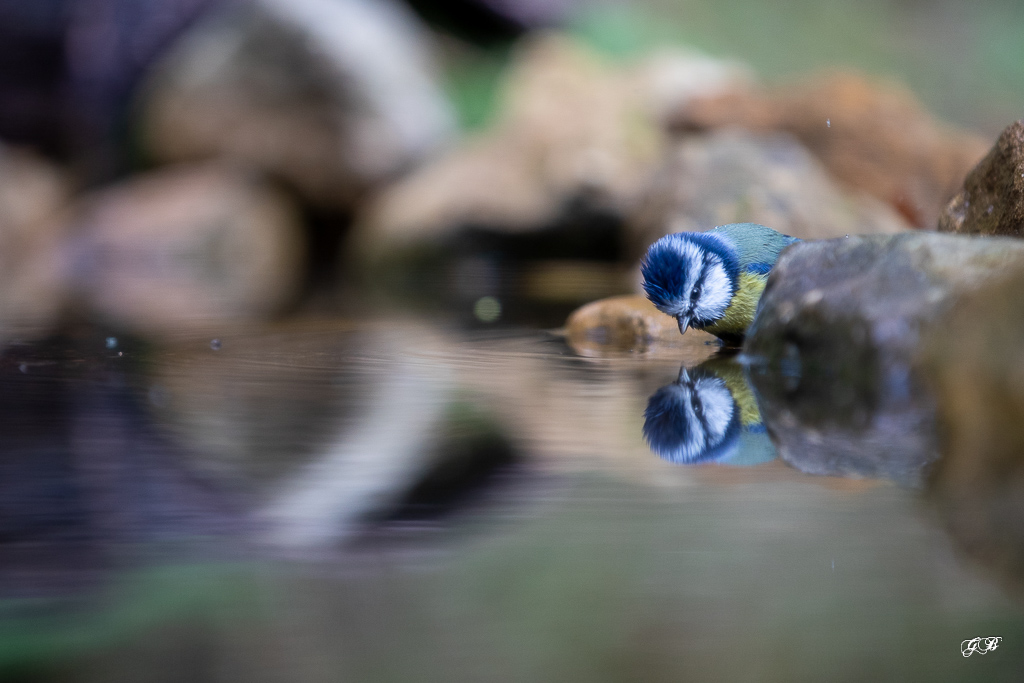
{"x":842,"y":414}
{"x":340,"y":435}
{"x":709,"y":414}
{"x":88,"y":484}
{"x":116,"y":458}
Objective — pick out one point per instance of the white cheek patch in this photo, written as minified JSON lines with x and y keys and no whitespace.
{"x":708,"y":410}
{"x":718,"y":407}
{"x":716,"y":292}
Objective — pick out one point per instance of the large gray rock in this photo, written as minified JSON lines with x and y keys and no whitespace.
{"x":871,"y":135}
{"x":835,"y":346}
{"x":992,"y":199}
{"x":976,"y":365}
{"x":736,"y":177}
{"x":330,"y":95}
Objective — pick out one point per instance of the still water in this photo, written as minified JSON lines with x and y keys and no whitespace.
{"x":400,"y":501}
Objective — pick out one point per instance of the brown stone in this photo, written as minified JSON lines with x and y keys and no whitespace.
{"x":186,"y":246}
{"x":280,"y":86}
{"x":992,"y":199}
{"x":31,"y":270}
{"x":875,"y":137}
{"x":630,"y":323}
{"x":738,"y":177}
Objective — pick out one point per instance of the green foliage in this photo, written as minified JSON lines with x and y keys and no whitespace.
{"x":966,"y":61}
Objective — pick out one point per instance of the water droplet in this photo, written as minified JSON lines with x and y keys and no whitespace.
{"x":828,"y":123}
{"x":111,"y":342}
{"x":487,"y":309}
{"x":215,"y":344}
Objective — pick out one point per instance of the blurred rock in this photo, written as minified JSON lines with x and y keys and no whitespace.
{"x":629,"y":323}
{"x":992,"y":199}
{"x":330,"y":95}
{"x":976,"y":364}
{"x":875,"y":137}
{"x":736,"y":177}
{"x":574,"y":134}
{"x":69,"y":68}
{"x":187,"y":246}
{"x":31,"y":277}
{"x":835,"y":346}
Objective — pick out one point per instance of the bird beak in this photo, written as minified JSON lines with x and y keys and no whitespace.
{"x":684,"y":324}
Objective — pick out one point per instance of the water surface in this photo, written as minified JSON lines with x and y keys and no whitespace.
{"x":400,"y":501}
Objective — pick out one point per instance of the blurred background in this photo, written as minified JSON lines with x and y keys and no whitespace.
{"x":290,"y":390}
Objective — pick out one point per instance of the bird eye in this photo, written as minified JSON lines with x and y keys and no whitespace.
{"x":695,"y":294}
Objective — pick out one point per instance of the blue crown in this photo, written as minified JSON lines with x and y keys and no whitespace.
{"x":663,"y":267}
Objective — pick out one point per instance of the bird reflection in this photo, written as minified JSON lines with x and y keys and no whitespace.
{"x":708,"y":414}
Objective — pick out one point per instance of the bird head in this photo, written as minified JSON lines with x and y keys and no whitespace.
{"x":694,"y":419}
{"x":691,"y":276}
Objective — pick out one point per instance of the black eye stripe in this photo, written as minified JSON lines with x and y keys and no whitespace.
{"x":699,"y":284}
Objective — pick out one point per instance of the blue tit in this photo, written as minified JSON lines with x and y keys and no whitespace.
{"x":712,"y":280}
{"x":709,"y":414}
{"x":694,"y":419}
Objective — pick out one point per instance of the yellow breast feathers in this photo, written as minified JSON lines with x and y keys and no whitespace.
{"x":740,"y":314}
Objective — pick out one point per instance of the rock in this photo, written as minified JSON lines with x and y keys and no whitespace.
{"x":736,"y":177}
{"x":976,"y":366}
{"x":835,"y":346}
{"x":874,"y":137}
{"x":330,"y":95}
{"x":630,"y":323}
{"x":188,"y":246}
{"x":992,"y":199}
{"x":574,"y":134}
{"x":71,"y":67}
{"x":32,"y":288}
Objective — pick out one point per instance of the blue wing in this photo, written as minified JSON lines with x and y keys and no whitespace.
{"x":759,"y":268}
{"x":757,"y":246}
